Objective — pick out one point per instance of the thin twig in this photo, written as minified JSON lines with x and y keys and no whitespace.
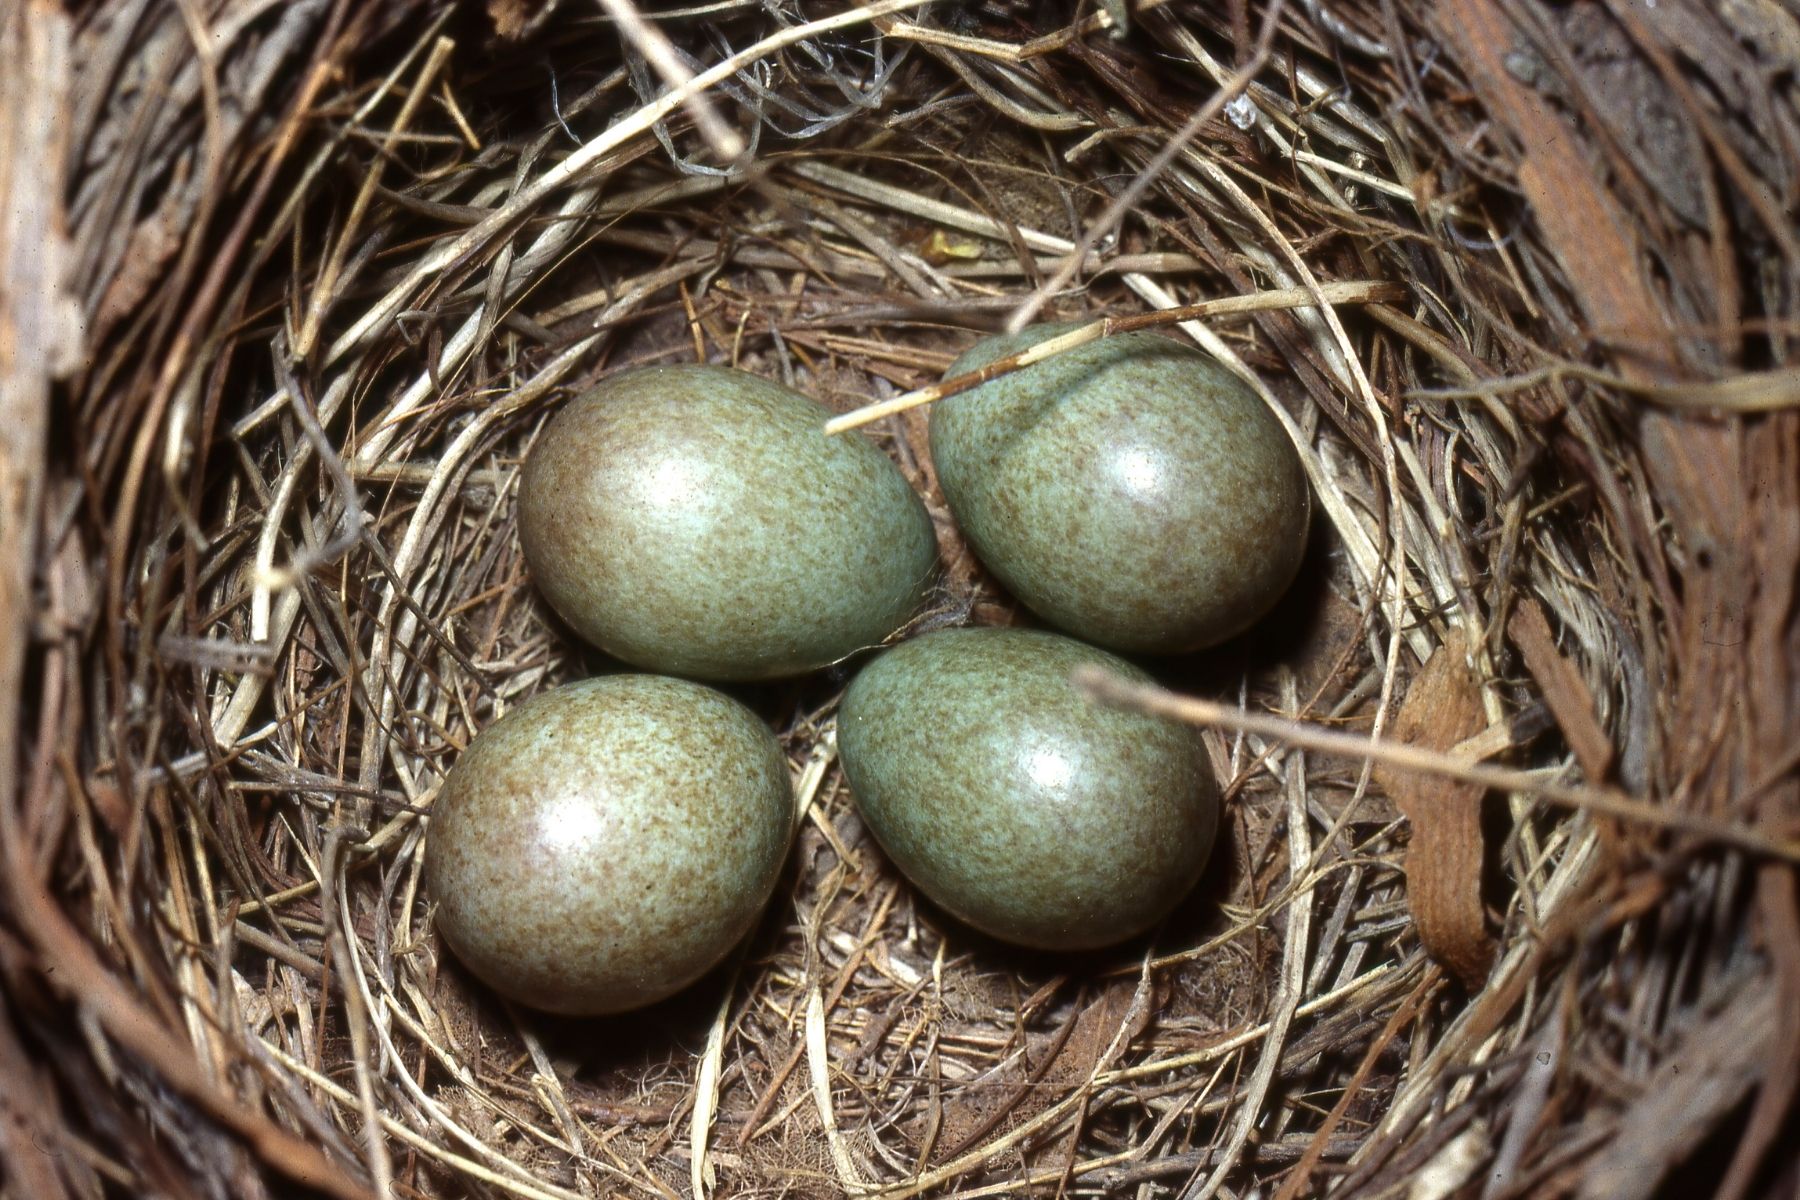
{"x":1110,"y":689}
{"x":1360,"y":292}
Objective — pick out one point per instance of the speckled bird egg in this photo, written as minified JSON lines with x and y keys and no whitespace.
{"x":697,"y":520}
{"x":1014,"y":802}
{"x":606,"y":843}
{"x":1130,"y":491}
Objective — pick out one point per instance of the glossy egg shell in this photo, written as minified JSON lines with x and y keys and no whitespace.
{"x":606,"y":843}
{"x":697,"y":520}
{"x":1015,"y":803}
{"x":1130,"y":491}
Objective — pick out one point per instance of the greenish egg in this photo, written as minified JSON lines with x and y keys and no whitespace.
{"x":1130,"y":491}
{"x":1015,"y":803}
{"x":606,"y":843}
{"x":697,"y":520}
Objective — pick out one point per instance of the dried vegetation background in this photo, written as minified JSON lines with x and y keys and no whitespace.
{"x":286,"y":291}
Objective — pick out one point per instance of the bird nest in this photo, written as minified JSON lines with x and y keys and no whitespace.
{"x":1505,"y":898}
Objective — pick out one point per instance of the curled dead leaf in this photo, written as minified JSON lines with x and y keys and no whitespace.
{"x":1443,"y":864}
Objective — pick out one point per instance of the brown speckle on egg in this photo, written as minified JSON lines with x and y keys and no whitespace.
{"x":608,"y":842}
{"x":1130,"y":491}
{"x":698,"y":520}
{"x":1015,"y":803}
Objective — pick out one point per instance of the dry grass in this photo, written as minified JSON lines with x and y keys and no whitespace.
{"x":335,"y":270}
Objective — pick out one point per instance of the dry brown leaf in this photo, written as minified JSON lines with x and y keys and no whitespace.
{"x":1443,"y":864}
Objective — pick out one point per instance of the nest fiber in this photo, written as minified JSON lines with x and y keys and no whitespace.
{"x":1504,"y":902}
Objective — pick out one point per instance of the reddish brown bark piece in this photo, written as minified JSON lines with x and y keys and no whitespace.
{"x":1584,"y":226}
{"x":1564,"y":690}
{"x":1443,"y":863}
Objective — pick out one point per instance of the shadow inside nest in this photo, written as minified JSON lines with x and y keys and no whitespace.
{"x":618,"y":1045}
{"x":1196,"y":918}
{"x":1305,"y":632}
{"x":637,"y":1044}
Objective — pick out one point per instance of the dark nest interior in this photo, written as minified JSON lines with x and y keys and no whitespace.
{"x":1505,"y":899}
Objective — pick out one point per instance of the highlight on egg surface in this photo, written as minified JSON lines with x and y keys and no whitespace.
{"x":697,"y":520}
{"x":1130,"y":491}
{"x":1016,"y":804}
{"x":608,"y":842}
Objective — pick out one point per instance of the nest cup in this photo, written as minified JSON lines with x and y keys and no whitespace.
{"x":286,"y":314}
